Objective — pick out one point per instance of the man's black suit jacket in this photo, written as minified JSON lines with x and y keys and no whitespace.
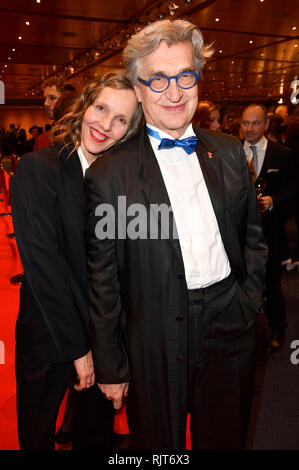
{"x":48,"y":216}
{"x":138,"y":292}
{"x":278,"y":170}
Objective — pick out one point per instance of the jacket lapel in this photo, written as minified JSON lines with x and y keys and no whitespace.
{"x":210,"y":161}
{"x":73,"y":187}
{"x":154,"y":187}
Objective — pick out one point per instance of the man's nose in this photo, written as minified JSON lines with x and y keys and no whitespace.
{"x":174,"y":92}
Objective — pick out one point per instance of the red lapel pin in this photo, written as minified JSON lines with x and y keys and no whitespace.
{"x":210,"y":154}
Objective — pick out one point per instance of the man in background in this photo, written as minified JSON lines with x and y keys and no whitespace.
{"x":272,"y":168}
{"x":53,"y":88}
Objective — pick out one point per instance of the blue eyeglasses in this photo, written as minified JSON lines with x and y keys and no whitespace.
{"x":160,"y":83}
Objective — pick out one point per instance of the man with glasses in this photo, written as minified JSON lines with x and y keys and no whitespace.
{"x":173,"y":311}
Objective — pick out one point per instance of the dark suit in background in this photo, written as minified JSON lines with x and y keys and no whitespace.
{"x":278,"y":173}
{"x":52,"y":328}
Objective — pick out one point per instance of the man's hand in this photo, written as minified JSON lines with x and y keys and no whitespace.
{"x":115,"y":392}
{"x":265,"y":203}
{"x":85,"y":372}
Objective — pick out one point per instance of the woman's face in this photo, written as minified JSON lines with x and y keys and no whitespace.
{"x":215,"y":120}
{"x":106,"y":120}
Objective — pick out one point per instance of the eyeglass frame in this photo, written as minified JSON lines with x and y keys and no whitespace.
{"x":148,"y":82}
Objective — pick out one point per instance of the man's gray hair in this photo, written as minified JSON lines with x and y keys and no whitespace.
{"x":149,"y":38}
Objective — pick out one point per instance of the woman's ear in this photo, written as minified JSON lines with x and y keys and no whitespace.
{"x":137,"y":92}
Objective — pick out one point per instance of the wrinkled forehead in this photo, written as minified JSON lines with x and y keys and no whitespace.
{"x":168,"y":59}
{"x":253,"y":114}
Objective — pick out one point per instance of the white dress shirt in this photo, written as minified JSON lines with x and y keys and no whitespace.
{"x":261,"y":147}
{"x":204,"y":256}
{"x":83,"y":160}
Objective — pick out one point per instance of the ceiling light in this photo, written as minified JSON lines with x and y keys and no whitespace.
{"x":20,"y":37}
{"x":217,"y":19}
{"x":5,"y":65}
{"x":250,"y":42}
{"x":13,"y":50}
{"x":220,"y":52}
{"x":295,"y":45}
{"x":27,"y":23}
{"x":293,"y":28}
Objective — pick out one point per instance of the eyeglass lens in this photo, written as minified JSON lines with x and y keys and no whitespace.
{"x":185,"y":80}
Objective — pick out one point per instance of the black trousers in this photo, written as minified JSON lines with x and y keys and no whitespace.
{"x":275,"y":304}
{"x":221,"y":365}
{"x":40,"y":391}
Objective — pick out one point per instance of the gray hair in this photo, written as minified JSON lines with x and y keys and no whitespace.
{"x":149,"y":38}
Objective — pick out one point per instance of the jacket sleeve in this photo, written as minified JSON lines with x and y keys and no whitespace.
{"x":36,"y":224}
{"x":256,"y":251}
{"x":108,"y":320}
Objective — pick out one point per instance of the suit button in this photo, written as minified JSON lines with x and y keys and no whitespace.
{"x":179,"y":358}
{"x":180,"y":275}
{"x":179,"y":318}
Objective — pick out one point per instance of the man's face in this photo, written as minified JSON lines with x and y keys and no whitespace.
{"x":51,"y":95}
{"x":253,"y":124}
{"x":173,"y":109}
{"x":35,"y":133}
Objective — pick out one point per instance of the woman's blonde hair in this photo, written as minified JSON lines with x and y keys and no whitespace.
{"x":68,"y":129}
{"x":148,"y":40}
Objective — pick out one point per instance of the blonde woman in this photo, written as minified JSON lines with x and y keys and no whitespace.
{"x":52,"y":330}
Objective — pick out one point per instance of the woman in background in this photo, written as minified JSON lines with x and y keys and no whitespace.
{"x":52,"y":330}
{"x":207,"y":116}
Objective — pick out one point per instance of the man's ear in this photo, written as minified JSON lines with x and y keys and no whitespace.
{"x":267,"y":124}
{"x":137,"y":92}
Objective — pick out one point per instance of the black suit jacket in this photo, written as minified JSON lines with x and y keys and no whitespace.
{"x":279,"y":172}
{"x":48,"y":216}
{"x":138,"y":292}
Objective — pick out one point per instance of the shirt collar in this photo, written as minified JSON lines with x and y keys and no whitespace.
{"x":260,"y":145}
{"x":189,"y":132}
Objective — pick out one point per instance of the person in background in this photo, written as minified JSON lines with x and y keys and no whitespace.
{"x":272,"y":164}
{"x":275,"y":128}
{"x":35,"y":131}
{"x":52,"y":329}
{"x":53,"y":88}
{"x":282,"y":111}
{"x":235,"y":128}
{"x":10,"y":141}
{"x":207,"y":116}
{"x":176,"y":284}
{"x":292,"y":141}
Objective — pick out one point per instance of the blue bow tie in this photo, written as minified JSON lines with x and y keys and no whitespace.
{"x":189,"y":144}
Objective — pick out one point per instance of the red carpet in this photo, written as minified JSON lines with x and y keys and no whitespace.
{"x":10,"y":265}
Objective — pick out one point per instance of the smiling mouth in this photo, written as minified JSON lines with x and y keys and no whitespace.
{"x":97,"y":136}
{"x":174,"y":109}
